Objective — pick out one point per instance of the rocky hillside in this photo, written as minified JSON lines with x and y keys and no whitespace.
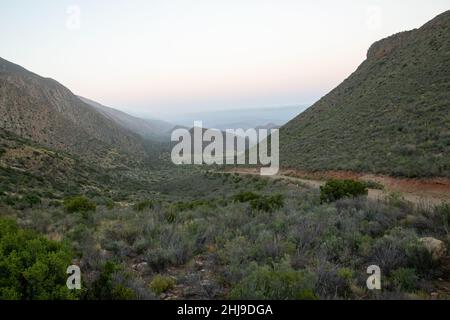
{"x":147,"y":128}
{"x":46,"y":112}
{"x":392,"y":115}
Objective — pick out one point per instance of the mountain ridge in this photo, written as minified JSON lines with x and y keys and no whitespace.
{"x":45,"y":111}
{"x":390,"y":116}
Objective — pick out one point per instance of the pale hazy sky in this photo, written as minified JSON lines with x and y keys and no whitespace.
{"x":164,"y":56}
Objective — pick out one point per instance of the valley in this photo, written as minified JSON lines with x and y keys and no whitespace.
{"x":364,"y":181}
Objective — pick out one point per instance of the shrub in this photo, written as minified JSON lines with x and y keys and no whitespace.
{"x":332,"y":282}
{"x":337,"y":189}
{"x":10,"y":200}
{"x":143,"y":205}
{"x":245,"y":197}
{"x":110,"y":285}
{"x":401,"y":249}
{"x":160,"y":284}
{"x":31,"y":199}
{"x":277,"y":282}
{"x":79,"y":204}
{"x":389,"y":254}
{"x":158,"y":259}
{"x":32,"y":267}
{"x":268,"y":203}
{"x":404,"y":279}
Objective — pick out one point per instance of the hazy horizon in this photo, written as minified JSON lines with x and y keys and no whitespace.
{"x":164,"y":58}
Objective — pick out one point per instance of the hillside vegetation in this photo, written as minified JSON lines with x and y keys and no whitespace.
{"x":252,"y":238}
{"x":392,"y":115}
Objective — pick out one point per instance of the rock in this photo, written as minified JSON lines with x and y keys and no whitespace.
{"x":140,"y":267}
{"x":435,"y":247}
{"x":199,"y":265}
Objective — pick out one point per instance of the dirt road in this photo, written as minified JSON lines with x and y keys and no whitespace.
{"x":418,"y":191}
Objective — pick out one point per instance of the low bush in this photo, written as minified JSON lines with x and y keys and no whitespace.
{"x":110,"y":284}
{"x":158,"y":259}
{"x":404,"y":279}
{"x":161,"y":284}
{"x":333,"y":282}
{"x":268,"y":203}
{"x":79,"y":204}
{"x":31,"y":199}
{"x":337,"y":189}
{"x":143,"y":205}
{"x":277,"y":282}
{"x":245,"y":197}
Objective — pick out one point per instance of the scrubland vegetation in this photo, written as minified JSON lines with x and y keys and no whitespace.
{"x":239,"y":237}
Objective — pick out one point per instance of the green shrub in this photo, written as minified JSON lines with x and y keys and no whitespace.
{"x":268,"y":203}
{"x":245,"y":196}
{"x":143,"y":205}
{"x":120,"y":292}
{"x":160,"y":284}
{"x":345,"y":274}
{"x":404,"y":279}
{"x":10,"y":200}
{"x":32,"y":267}
{"x":110,"y":284}
{"x":277,"y":282}
{"x":79,"y":204}
{"x":337,"y":189}
{"x":31,"y":199}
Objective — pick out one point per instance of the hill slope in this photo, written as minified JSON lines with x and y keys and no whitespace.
{"x":44,"y":111}
{"x":392,"y":115}
{"x":147,"y":128}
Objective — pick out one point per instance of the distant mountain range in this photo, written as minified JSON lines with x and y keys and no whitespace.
{"x":392,"y":115}
{"x":241,"y":118}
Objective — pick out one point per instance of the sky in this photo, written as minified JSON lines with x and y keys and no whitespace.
{"x":163,"y":57}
